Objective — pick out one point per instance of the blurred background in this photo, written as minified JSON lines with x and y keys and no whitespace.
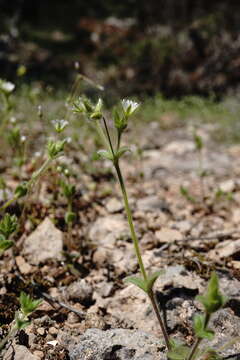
{"x":132,"y":47}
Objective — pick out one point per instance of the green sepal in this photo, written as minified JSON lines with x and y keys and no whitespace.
{"x":213,"y":300}
{"x":120,"y":122}
{"x":27,"y":304}
{"x":104,"y":154}
{"x":199,"y":328}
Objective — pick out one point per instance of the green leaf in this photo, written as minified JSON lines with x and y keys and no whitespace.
{"x":178,"y":351}
{"x":211,"y":354}
{"x":4,"y":244}
{"x":70,"y":217}
{"x":152,"y":278}
{"x":122,"y":151}
{"x":21,"y":190}
{"x":184,"y":192}
{"x":120,"y":122}
{"x":200,"y":330}
{"x":213,"y":300}
{"x":8,"y":225}
{"x":140,"y":283}
{"x":27,"y":304}
{"x":198,"y":142}
{"x":104,"y":154}
{"x":22,"y":323}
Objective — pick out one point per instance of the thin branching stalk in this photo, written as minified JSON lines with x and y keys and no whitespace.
{"x":108,"y":136}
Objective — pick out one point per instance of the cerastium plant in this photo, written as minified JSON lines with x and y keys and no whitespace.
{"x":21,"y":319}
{"x":213,"y":300}
{"x":55,"y":149}
{"x":114,"y":152}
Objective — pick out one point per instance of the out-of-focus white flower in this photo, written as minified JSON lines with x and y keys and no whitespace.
{"x":129,"y":106}
{"x":68,"y":140}
{"x":6,"y":86}
{"x":13,"y":120}
{"x":37,"y":154}
{"x":60,"y":125}
{"x":39,"y":111}
{"x":23,"y":138}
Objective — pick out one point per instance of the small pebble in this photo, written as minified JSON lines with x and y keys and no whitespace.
{"x":41,"y":331}
{"x":39,"y":354}
{"x":52,"y":330}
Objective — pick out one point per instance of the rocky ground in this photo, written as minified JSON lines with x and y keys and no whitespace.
{"x":88,"y":312}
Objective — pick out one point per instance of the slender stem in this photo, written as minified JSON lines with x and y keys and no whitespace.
{"x":153,"y":300}
{"x":11,"y":334}
{"x":8,"y":203}
{"x":202,"y":182}
{"x":102,"y":135}
{"x":130,"y":220}
{"x":108,"y":136}
{"x":138,"y":253}
{"x":198,"y":340}
{"x":118,"y":139}
{"x":39,"y":172}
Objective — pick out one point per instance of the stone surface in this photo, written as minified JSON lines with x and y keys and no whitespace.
{"x":23,"y":266}
{"x":227,"y":186}
{"x":106,"y":230}
{"x":119,"y":344}
{"x":225,"y":249}
{"x":19,"y":352}
{"x":151,"y":203}
{"x":114,"y":205}
{"x":45,"y":242}
{"x":79,"y":290}
{"x":166,"y":235}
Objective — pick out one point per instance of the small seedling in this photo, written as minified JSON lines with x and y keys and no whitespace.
{"x":17,"y":141}
{"x":21,"y":319}
{"x":69,"y":190}
{"x":8,"y":226}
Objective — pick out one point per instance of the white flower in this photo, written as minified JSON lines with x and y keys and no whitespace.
{"x":13,"y":120}
{"x":129,"y":106}
{"x":6,"y":86}
{"x":23,"y":138}
{"x":60,"y":124}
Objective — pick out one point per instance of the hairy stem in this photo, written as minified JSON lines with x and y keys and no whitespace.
{"x":108,"y":136}
{"x":130,"y":220}
{"x":138,"y":254}
{"x":153,"y":300}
